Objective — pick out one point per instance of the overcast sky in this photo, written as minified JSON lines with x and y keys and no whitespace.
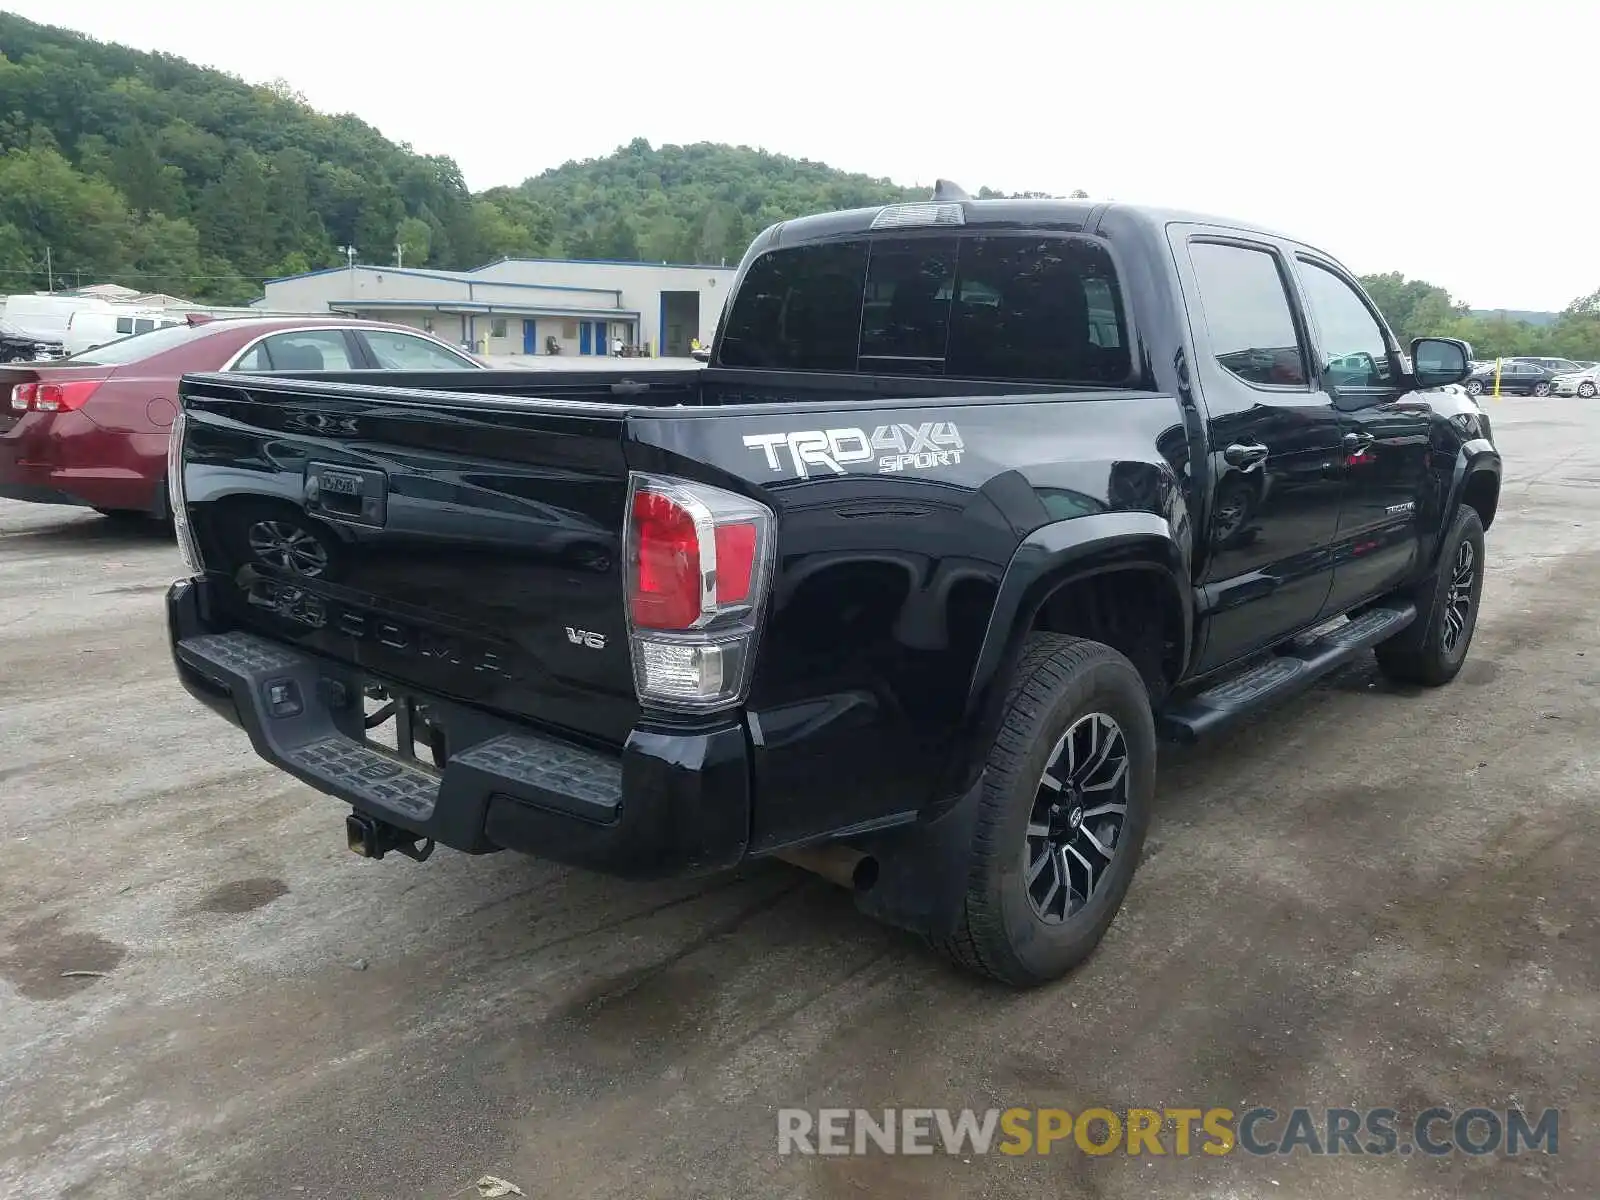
{"x":1453,"y":140}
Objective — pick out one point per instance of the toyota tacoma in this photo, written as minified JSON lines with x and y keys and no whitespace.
{"x":974,"y":502}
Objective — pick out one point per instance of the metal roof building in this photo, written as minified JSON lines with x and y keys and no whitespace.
{"x":522,"y":306}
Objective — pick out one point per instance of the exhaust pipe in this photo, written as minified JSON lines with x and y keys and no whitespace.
{"x":837,"y":863}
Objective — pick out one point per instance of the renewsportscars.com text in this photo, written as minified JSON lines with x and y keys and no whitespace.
{"x":1175,"y":1132}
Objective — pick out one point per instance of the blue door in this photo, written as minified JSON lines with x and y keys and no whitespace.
{"x":530,"y":337}
{"x":584,"y":342}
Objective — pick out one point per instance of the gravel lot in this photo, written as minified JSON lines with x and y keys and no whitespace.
{"x":1370,"y":898}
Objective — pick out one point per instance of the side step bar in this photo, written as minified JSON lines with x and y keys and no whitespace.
{"x":1293,"y":670}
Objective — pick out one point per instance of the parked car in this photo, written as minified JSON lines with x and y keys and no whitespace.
{"x":1584,"y":382}
{"x":1558,"y":365}
{"x":18,"y":345}
{"x":92,"y":429}
{"x":1517,"y":378}
{"x":905,"y":592}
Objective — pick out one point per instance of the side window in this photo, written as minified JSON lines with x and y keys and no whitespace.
{"x":309,"y":350}
{"x":124,"y":324}
{"x":255,"y":360}
{"x":1246,"y":308}
{"x":402,"y":352}
{"x":1353,"y":345}
{"x":143,"y":325}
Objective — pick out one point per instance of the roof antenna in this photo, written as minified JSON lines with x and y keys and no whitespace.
{"x":943,"y":189}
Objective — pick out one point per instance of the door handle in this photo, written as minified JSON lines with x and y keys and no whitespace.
{"x":1246,"y":455}
{"x":1357,"y":443}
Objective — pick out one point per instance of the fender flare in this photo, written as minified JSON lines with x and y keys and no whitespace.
{"x":1050,"y":557}
{"x":1476,"y":458}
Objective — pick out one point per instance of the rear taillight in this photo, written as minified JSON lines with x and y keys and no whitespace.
{"x":698,"y":565}
{"x":52,"y":397}
{"x":177,"y":498}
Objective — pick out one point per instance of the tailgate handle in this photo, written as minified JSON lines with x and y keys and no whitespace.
{"x":352,"y":494}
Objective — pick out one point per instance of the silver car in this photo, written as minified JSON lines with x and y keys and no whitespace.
{"x":1583,"y":383}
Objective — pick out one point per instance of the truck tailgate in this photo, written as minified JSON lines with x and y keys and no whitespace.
{"x":465,"y":545}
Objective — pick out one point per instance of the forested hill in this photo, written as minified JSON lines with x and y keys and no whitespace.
{"x":146,"y":170}
{"x":143,"y":169}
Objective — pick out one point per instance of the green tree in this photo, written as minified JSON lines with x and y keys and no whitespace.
{"x":413,"y":238}
{"x":83,"y":221}
{"x":166,"y":255}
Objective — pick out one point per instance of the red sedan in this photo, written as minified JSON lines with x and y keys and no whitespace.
{"x":92,"y":429}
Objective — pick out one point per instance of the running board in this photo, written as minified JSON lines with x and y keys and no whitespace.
{"x":1293,"y":670}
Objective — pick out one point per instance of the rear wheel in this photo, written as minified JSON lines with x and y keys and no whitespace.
{"x":283,"y":539}
{"x":1066,"y":801}
{"x":1541,"y":389}
{"x":1474,"y":387}
{"x":1431,"y":652}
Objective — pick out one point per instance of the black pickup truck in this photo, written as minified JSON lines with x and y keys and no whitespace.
{"x":974,"y":503}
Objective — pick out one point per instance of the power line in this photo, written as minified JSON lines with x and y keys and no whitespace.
{"x":60,"y":270}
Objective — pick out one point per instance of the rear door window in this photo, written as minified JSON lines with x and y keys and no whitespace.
{"x":1244,"y":300}
{"x":309,"y":350}
{"x":1007,"y":307}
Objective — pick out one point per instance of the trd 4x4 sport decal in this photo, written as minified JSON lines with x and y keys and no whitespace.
{"x":894,"y":448}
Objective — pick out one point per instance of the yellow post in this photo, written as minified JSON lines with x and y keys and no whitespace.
{"x":1497,"y":363}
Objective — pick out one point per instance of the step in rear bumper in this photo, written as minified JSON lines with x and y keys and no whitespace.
{"x":668,"y":803}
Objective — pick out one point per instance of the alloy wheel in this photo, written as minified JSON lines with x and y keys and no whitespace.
{"x":1458,"y":601}
{"x":1541,"y":389}
{"x":1586,"y":390}
{"x":1076,"y":822}
{"x":288,"y":547}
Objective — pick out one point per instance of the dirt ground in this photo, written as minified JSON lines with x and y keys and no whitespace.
{"x":1371,"y":898}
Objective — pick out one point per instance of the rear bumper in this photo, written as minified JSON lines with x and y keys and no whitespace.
{"x":670,"y":803}
{"x":65,"y":458}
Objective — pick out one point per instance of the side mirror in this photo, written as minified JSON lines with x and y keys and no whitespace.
{"x":1439,"y":361}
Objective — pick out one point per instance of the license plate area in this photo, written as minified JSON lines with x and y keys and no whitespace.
{"x":401,"y":725}
{"x":352,"y":494}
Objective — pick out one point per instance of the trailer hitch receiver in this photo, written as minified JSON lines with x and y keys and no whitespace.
{"x":372,"y":838}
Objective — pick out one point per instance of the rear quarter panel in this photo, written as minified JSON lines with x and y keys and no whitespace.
{"x":890,"y":568}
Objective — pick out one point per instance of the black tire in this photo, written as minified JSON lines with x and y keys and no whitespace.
{"x":1061,"y":683}
{"x":1426,"y":653}
{"x":1474,"y":387}
{"x":1541,"y":389}
{"x":1586,"y":390}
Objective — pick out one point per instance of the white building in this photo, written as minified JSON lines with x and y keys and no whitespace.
{"x":523,"y":306}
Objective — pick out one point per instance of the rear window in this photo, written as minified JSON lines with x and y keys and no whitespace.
{"x":1005,"y":307}
{"x":136,"y":348}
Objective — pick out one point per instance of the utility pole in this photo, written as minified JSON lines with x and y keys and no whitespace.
{"x":49,"y":271}
{"x":399,"y":254}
